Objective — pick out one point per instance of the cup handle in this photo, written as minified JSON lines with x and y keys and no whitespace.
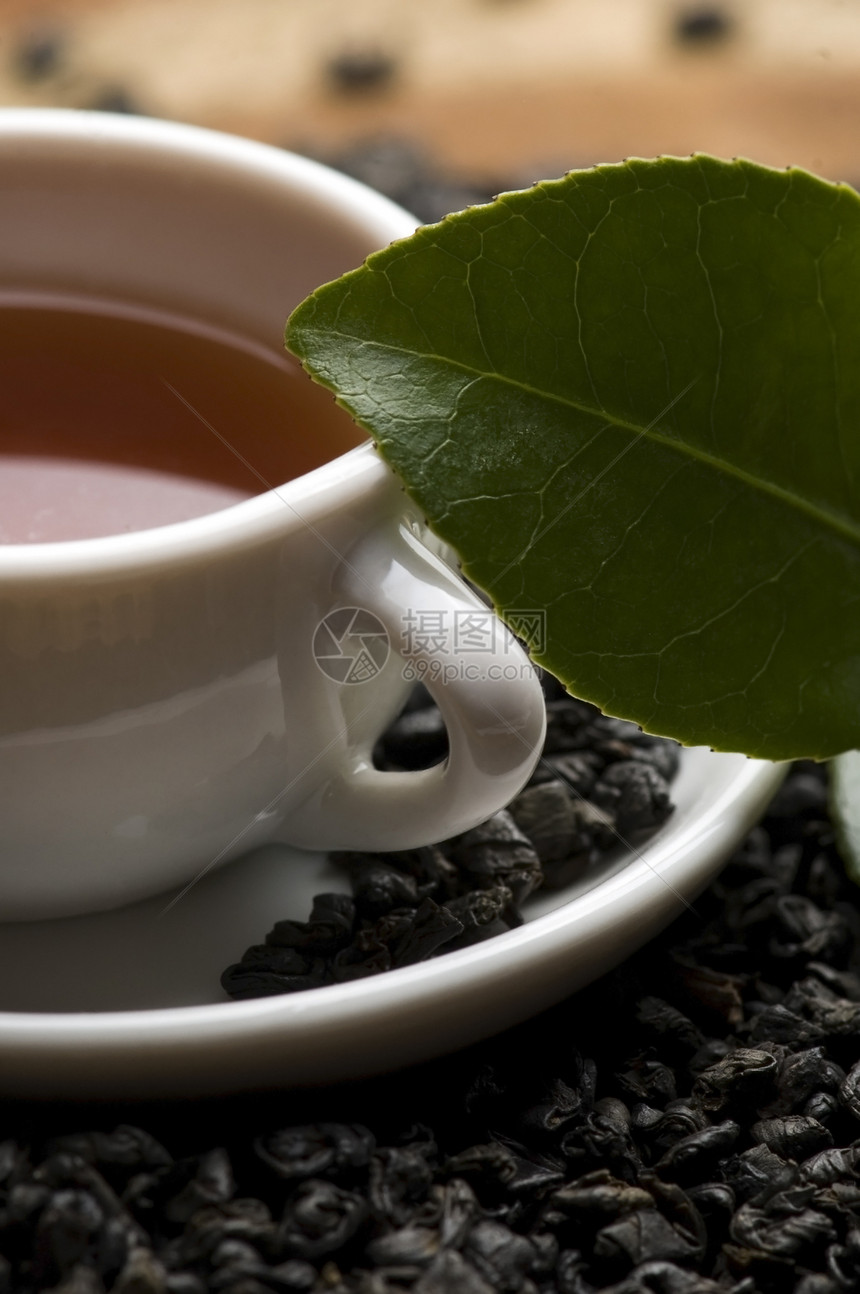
{"x":490,"y":699}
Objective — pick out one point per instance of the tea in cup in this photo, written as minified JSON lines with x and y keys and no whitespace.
{"x":209,"y":581}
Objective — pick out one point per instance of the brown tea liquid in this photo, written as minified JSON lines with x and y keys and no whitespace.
{"x":114,"y":419}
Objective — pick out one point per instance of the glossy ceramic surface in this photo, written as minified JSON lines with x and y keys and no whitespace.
{"x":127,"y":1003}
{"x":163,"y":708}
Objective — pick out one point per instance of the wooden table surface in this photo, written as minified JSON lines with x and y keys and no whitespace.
{"x":488,"y":87}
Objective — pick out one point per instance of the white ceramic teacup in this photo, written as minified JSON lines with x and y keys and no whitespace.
{"x":165,"y":700}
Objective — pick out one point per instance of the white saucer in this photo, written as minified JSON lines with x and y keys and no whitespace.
{"x":128,"y":1003}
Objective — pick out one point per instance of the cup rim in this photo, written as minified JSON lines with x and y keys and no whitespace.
{"x":301,"y":502}
{"x":306,"y":497}
{"x":182,"y":138}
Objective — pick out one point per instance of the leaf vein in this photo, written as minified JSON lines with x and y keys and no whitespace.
{"x":846,"y":528}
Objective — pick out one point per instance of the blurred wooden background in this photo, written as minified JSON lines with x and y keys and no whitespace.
{"x":488,"y":88}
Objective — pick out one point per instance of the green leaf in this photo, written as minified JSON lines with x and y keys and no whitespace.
{"x":630,"y":398}
{"x":844,"y":794}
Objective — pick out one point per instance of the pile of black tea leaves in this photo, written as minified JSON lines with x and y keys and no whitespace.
{"x":600,"y":785}
{"x":690,"y":1124}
